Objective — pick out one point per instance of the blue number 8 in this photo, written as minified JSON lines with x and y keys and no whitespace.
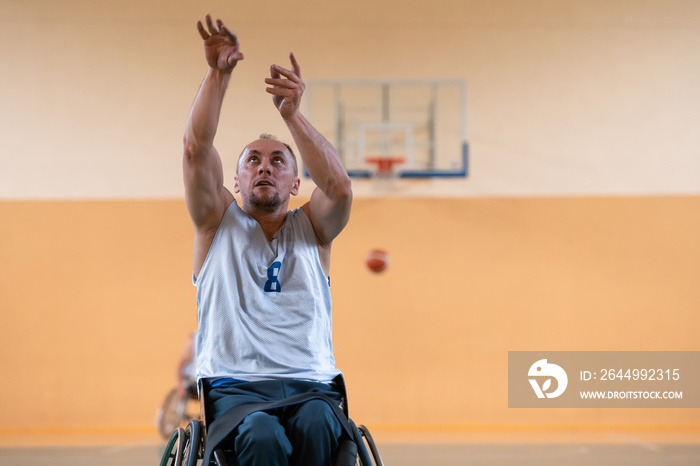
{"x":273,"y":283}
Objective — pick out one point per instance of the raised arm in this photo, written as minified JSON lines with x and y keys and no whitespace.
{"x":330,"y":203}
{"x":203,"y":172}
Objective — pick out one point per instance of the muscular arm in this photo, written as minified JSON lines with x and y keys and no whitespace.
{"x":329,"y":207}
{"x":202,"y":168}
{"x":331,"y":200}
{"x":205,"y":194}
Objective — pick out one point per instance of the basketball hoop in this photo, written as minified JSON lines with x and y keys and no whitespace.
{"x":385,"y":164}
{"x":385,"y":174}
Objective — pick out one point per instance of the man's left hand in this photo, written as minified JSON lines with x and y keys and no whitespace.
{"x":287,"y":88}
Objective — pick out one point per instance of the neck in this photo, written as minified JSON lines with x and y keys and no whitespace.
{"x":270,"y":222}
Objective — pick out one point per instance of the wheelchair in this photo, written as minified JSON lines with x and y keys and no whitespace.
{"x":186,"y":445}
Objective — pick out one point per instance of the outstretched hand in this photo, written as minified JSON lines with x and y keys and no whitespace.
{"x":221,"y":47}
{"x":287,"y":87}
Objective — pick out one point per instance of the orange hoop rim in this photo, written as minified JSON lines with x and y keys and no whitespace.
{"x":385,"y":164}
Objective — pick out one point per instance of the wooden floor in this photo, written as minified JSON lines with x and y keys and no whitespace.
{"x":405,"y":449}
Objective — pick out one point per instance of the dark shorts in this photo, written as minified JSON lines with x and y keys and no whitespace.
{"x":228,"y":405}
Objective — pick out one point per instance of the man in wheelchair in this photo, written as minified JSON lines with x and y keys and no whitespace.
{"x":264,"y":349}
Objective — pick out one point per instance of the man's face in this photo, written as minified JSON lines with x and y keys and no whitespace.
{"x":265,"y":177}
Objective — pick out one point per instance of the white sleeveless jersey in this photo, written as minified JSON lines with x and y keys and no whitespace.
{"x":264,"y":307}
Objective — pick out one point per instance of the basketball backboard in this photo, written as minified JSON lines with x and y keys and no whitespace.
{"x":418,"y":125}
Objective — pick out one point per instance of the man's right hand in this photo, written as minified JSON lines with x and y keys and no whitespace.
{"x":221,"y":47}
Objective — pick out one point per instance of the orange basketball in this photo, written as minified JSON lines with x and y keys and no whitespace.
{"x":377,"y":260}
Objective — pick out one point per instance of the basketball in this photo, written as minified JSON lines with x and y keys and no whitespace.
{"x":377,"y":260}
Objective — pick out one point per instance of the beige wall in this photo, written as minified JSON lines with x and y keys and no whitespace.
{"x":97,"y":302}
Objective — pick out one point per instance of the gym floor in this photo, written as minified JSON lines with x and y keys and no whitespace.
{"x":405,"y":449}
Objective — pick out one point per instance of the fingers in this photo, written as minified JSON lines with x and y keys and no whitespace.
{"x":294,"y":74}
{"x":286,"y":83}
{"x":210,"y":25}
{"x":295,"y":65}
{"x":202,"y":32}
{"x":219,"y":28}
{"x":281,"y":91}
{"x":286,"y":87}
{"x":232,"y":35}
{"x":276,"y":71}
{"x":284,"y":78}
{"x":281,"y":86}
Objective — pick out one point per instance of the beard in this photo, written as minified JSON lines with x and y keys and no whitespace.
{"x":267,"y":204}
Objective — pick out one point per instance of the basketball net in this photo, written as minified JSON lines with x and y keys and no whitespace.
{"x":385,"y":175}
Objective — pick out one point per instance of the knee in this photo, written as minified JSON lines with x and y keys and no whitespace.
{"x":315,"y":433}
{"x":315,"y":417}
{"x":262,"y":432}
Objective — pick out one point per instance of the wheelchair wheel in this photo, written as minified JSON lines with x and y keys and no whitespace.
{"x":171,"y":415}
{"x":172,"y":456}
{"x":364,"y":431}
{"x":193,"y":441}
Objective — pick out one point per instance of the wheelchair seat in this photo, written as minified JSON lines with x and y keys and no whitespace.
{"x":189,"y":445}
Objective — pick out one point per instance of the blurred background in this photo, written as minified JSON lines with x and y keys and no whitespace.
{"x":576,"y":229}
